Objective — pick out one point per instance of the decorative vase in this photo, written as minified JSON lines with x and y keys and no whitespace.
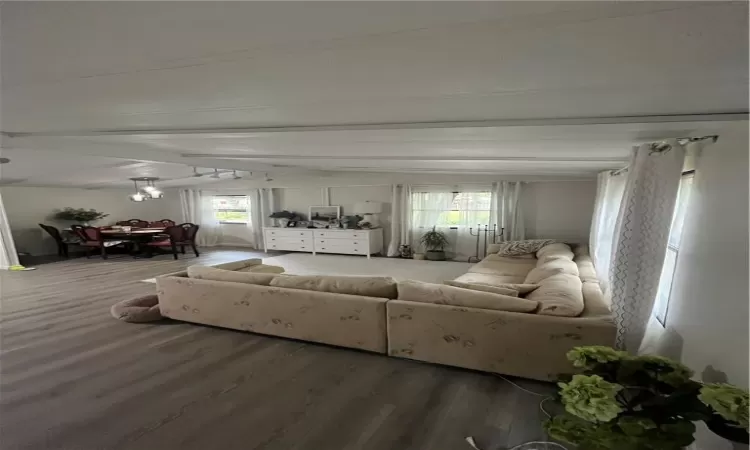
{"x":405,"y":251}
{"x":435,"y":255}
{"x":721,"y":427}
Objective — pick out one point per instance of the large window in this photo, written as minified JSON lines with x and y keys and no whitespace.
{"x":230,"y":208}
{"x":450,"y":209}
{"x":661,"y":307}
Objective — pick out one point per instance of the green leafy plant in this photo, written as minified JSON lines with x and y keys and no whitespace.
{"x":434,"y":241}
{"x":624,"y":402}
{"x":79,"y":214}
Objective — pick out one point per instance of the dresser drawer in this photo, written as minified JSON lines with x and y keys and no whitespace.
{"x":288,"y":246}
{"x":289,"y":233}
{"x":322,"y":242}
{"x":340,"y":234}
{"x":289,"y":241}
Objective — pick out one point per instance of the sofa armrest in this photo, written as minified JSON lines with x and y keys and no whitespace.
{"x":520,"y":344}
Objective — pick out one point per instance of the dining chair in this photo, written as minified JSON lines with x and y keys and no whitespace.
{"x":62,"y":242}
{"x":92,"y":238}
{"x":138,"y":223}
{"x":182,"y":235}
{"x":162,"y":223}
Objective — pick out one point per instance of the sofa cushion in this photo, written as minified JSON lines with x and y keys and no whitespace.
{"x":559,"y":295}
{"x":513,"y":248}
{"x":483,"y":288}
{"x":262,"y":268}
{"x":214,"y":274}
{"x":418,"y":291}
{"x":550,"y":268}
{"x":594,"y":301}
{"x":515,"y":283}
{"x":586,"y":269}
{"x":504,"y":266}
{"x":239,"y":265}
{"x":383,"y":287}
{"x":554,"y":251}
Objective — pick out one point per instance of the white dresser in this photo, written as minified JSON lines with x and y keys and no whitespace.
{"x":349,"y":242}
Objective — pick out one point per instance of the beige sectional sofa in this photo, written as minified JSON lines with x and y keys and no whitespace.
{"x":490,"y":319}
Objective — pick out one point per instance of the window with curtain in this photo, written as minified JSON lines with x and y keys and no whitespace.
{"x":453,"y":213}
{"x":231,"y":208}
{"x":661,"y":305}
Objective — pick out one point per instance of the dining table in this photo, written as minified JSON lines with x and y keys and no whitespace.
{"x":138,"y":236}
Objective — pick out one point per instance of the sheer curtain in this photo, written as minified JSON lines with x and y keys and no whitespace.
{"x":261,"y":206}
{"x":507,"y":211}
{"x":609,"y":192}
{"x":641,"y":236}
{"x":455,"y":213}
{"x":8,"y":254}
{"x":401,"y":227}
{"x":197,"y":208}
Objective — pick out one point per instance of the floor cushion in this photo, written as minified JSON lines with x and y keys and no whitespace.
{"x":137,"y":310}
{"x":382,"y":287}
{"x":418,"y":291}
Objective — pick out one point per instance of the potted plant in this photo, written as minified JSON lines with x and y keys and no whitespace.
{"x":624,"y":402}
{"x":434,"y":242}
{"x":80,"y":215}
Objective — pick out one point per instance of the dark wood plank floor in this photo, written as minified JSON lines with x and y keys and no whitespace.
{"x":72,"y":377}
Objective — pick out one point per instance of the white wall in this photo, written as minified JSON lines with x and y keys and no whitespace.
{"x":559,"y":210}
{"x":27,"y":207}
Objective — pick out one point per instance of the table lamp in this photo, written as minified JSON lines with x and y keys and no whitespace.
{"x":369,"y":211}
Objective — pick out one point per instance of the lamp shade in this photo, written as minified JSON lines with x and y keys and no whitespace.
{"x":368,"y":208}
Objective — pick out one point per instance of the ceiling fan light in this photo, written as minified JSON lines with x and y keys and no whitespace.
{"x":137,"y":197}
{"x":155,"y":193}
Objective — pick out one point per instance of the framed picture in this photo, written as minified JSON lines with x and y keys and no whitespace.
{"x":291,"y":224}
{"x":325,"y":213}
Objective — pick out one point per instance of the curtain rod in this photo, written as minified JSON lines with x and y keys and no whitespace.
{"x":685,"y":140}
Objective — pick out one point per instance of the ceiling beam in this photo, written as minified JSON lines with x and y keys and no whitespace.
{"x":530,"y":159}
{"x":716,"y":117}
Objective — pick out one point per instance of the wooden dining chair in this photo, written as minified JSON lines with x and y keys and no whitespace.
{"x":162,"y":223}
{"x":92,"y":238}
{"x":137,"y":223}
{"x":182,"y":235}
{"x":62,"y":242}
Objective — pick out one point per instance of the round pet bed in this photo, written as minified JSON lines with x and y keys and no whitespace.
{"x":141,"y":309}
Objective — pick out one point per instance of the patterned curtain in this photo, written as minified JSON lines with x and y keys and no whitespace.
{"x":641,"y":237}
{"x":609,"y":192}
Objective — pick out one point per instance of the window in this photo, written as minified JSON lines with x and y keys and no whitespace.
{"x":661,"y":306}
{"x":451,"y":209}
{"x":230,"y":208}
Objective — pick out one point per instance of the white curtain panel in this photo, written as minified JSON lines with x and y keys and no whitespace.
{"x":260,"y":206}
{"x":642,"y":233}
{"x":197,"y":208}
{"x":401,"y":233}
{"x":609,"y":192}
{"x":8,"y":254}
{"x":507,"y":210}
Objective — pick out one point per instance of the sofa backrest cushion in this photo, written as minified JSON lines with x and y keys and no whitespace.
{"x":417,"y":291}
{"x":382,"y":287}
{"x":549,"y":268}
{"x":559,"y":295}
{"x":595,"y":303}
{"x":586,"y":269}
{"x":212,"y":273}
{"x":515,"y":283}
{"x":554,"y":251}
{"x":504,"y":266}
{"x":483,"y":288}
{"x":514,"y":248}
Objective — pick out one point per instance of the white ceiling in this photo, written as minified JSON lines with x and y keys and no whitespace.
{"x":117,"y":84}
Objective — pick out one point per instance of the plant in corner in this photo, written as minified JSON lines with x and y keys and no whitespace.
{"x":434,"y":243}
{"x":624,"y":402}
{"x":80,"y":215}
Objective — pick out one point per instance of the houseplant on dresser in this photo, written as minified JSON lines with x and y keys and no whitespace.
{"x":646,"y":402}
{"x":434,"y":243}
